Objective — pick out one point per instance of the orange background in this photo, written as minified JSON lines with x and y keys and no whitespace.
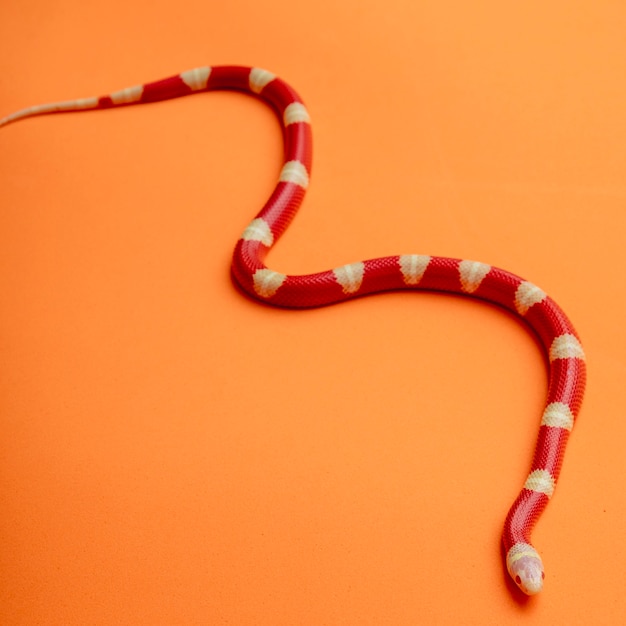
{"x":174,"y":453}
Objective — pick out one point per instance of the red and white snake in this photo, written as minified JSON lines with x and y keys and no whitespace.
{"x":412,"y":271}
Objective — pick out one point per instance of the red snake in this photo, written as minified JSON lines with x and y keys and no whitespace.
{"x":556,"y":333}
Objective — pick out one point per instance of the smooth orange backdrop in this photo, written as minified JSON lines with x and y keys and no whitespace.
{"x":174,"y":453}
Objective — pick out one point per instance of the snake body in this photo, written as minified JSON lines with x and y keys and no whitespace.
{"x":556,"y":334}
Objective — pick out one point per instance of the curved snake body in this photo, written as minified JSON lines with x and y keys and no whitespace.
{"x":556,"y":333}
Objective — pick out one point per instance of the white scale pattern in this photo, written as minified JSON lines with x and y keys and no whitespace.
{"x":196,"y":79}
{"x":558,"y":415}
{"x":566,"y":347}
{"x":541,"y":481}
{"x":258,"y":230}
{"x":259,"y":78}
{"x":413,"y":267}
{"x":128,"y":95}
{"x":520,"y":550}
{"x":267,"y":282}
{"x":472,"y":273}
{"x":527,"y":295}
{"x":295,"y":172}
{"x":350,"y":276}
{"x":295,"y":113}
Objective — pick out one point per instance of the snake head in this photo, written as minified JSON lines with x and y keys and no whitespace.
{"x":526,"y":568}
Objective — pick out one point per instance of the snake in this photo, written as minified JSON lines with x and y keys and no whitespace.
{"x":558,"y":338}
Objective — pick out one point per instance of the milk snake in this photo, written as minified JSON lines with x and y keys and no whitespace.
{"x":413,"y":271}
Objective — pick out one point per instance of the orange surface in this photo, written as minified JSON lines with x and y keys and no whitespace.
{"x":173,"y":453}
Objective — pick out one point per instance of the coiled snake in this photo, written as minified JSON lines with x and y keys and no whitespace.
{"x":556,"y":333}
